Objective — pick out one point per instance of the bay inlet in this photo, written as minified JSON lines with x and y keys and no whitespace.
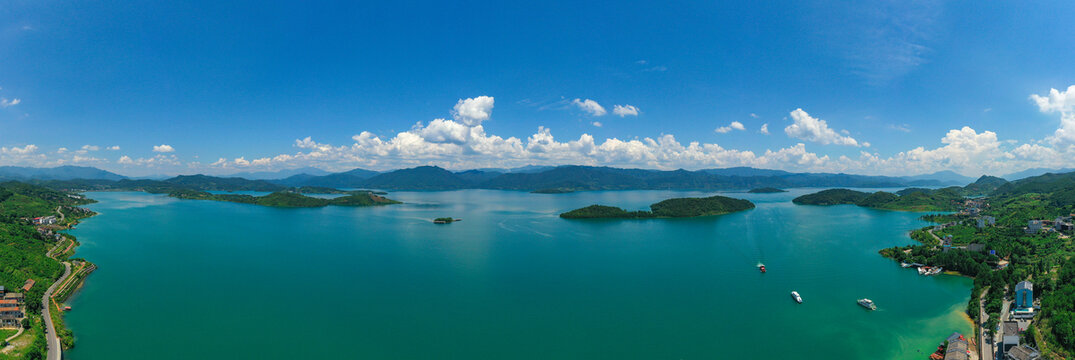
{"x":181,"y":279}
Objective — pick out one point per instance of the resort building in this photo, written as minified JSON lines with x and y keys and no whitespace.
{"x":1024,"y":295}
{"x":28,"y":285}
{"x":984,"y":221}
{"x":1022,"y":352}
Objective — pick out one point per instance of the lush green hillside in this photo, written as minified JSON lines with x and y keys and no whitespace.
{"x":678,"y":207}
{"x":22,"y":248}
{"x":766,"y":190}
{"x":1044,"y":258}
{"x":287,"y":199}
{"x":985,"y":185}
{"x":916,"y":199}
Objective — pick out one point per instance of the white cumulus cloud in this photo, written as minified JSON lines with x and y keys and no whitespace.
{"x":590,"y":107}
{"x":735,"y":125}
{"x":624,"y":110}
{"x":473,"y":111}
{"x":806,"y":127}
{"x":764,"y":129}
{"x":163,"y":148}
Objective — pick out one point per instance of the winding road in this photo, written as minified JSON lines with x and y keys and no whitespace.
{"x":55,"y":352}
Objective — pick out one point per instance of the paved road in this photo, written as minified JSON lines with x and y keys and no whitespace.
{"x":986,"y":343}
{"x":55,"y":353}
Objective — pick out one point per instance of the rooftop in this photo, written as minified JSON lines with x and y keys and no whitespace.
{"x":1024,"y":285}
{"x":1011,"y":328}
{"x":1022,"y":352}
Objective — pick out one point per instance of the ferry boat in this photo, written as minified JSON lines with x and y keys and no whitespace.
{"x":761,"y":268}
{"x":795,"y":295}
{"x":867,"y":303}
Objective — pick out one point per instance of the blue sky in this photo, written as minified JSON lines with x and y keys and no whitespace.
{"x":220,"y":87}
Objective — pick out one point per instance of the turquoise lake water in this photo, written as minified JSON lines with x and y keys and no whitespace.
{"x":187,"y":279}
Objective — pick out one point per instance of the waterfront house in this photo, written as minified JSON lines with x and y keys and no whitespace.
{"x":1024,"y":295}
{"x":45,"y":220}
{"x":957,"y":348}
{"x":1022,"y":352}
{"x":1010,"y":336}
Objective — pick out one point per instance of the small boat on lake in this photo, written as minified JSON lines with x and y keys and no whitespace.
{"x":905,"y":265}
{"x":867,"y":303}
{"x":761,"y":268}
{"x":795,"y":295}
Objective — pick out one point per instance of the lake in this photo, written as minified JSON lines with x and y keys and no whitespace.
{"x":188,"y":279}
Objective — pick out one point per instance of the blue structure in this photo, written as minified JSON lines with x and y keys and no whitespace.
{"x":1024,"y":295}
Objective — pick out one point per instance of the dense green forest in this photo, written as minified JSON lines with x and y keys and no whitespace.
{"x":288,"y":199}
{"x":678,"y":207}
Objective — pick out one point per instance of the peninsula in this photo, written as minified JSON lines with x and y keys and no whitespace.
{"x":1016,"y":243}
{"x":677,"y":207}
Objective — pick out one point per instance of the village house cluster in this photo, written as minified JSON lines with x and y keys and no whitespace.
{"x":1061,"y":224}
{"x":12,"y":306}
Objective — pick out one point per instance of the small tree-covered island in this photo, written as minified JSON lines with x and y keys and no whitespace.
{"x":766,"y":190}
{"x":678,"y":207}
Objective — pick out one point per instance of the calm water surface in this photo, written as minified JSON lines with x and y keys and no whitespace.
{"x":185,"y":279}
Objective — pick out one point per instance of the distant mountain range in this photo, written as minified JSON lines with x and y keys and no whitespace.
{"x":1035,"y":172}
{"x":273,"y":175}
{"x":599,"y":178}
{"x":56,"y":173}
{"x":571,"y":177}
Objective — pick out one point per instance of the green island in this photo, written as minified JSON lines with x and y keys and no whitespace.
{"x":287,"y":199}
{"x":671,"y":208}
{"x":766,"y":190}
{"x":33,"y":254}
{"x":913,"y":199}
{"x":1019,"y":231}
{"x":553,"y":191}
